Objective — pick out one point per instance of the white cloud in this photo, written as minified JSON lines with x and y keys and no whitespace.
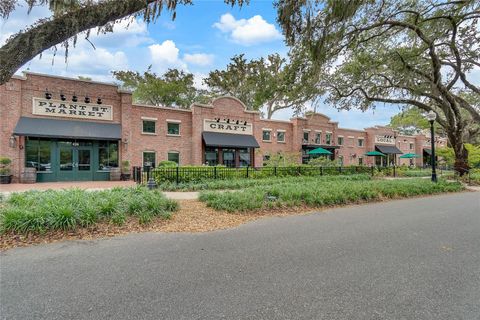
{"x":248,"y":31}
{"x":198,"y":81}
{"x":200,"y":59}
{"x":166,"y":55}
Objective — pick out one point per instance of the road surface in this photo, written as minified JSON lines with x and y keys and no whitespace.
{"x":407,"y":259}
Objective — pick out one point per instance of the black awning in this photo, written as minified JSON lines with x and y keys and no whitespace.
{"x":428,"y":151}
{"x":216,"y":139}
{"x":53,"y":128}
{"x":388,"y":149}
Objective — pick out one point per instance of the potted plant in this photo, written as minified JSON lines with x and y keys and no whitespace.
{"x":5,"y":174}
{"x":125,"y":170}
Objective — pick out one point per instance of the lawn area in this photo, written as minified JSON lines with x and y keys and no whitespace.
{"x":42,"y":211}
{"x":318,"y":193}
{"x":241,"y":183}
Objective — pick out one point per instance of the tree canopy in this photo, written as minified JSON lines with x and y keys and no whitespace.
{"x":268,"y":84}
{"x":71,"y":18}
{"x":398,"y":52}
{"x":174,"y":88}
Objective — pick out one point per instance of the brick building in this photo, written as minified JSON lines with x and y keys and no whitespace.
{"x":70,"y":129}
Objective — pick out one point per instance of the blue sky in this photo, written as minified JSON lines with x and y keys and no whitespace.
{"x":203,"y":37}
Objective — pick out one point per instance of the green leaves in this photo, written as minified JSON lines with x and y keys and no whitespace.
{"x":41,"y":211}
{"x":174,"y":88}
{"x":268,"y":84}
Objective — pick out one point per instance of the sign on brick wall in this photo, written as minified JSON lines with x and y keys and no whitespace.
{"x":227,"y":127}
{"x":385,"y":139}
{"x":58,"y":108}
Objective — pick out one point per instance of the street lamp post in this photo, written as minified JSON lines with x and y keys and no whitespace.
{"x":431,"y":116}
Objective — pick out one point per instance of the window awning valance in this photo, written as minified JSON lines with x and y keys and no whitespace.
{"x":388,"y":149}
{"x":53,"y":128}
{"x":228,"y":140}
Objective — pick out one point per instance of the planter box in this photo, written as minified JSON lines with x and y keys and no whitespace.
{"x":125,"y":176}
{"x":5,"y":179}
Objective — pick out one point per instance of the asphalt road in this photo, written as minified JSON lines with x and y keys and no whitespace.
{"x":409,"y":259}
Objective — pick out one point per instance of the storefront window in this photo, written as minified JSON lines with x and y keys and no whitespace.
{"x":38,"y":154}
{"x":173,"y":129}
{"x":174,"y":156}
{"x":266,"y":135}
{"x":107,"y":155}
{"x":244,"y":157}
{"x":281,"y":136}
{"x":211,"y":156}
{"x":340,"y":141}
{"x":149,"y":159}
{"x":328,"y":138}
{"x":318,"y":138}
{"x":229,"y":157}
{"x":148,"y":126}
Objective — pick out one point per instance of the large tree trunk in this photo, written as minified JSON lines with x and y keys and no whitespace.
{"x":461,"y":154}
{"x":27,"y":44}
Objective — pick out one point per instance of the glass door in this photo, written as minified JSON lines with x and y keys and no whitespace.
{"x":74,"y":161}
{"x":65,"y":168}
{"x":83,"y":166}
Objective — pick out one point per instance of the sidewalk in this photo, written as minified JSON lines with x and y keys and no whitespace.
{"x":6,"y":189}
{"x":86,"y":185}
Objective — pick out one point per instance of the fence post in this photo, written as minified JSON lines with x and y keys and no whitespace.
{"x":178,"y":178}
{"x":321,"y":171}
{"x":275,"y":171}
{"x":247,"y":171}
{"x":372,"y":171}
{"x":215,"y":172}
{"x":340,"y":169}
{"x":394,"y":172}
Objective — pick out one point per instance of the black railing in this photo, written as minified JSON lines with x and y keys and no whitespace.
{"x":191,"y":174}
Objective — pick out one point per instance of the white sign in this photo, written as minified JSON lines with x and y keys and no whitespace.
{"x":384,"y":139}
{"x":228,"y":127}
{"x":58,"y":108}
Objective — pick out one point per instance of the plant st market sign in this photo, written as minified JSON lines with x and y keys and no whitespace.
{"x":58,"y":108}
{"x":227,"y":127}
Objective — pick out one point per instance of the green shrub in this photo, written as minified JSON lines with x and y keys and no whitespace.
{"x":316,"y":193}
{"x":40,"y":211}
{"x":230,"y":184}
{"x":167,"y":163}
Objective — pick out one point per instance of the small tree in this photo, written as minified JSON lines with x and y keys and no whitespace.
{"x":283,"y":159}
{"x":5,"y":166}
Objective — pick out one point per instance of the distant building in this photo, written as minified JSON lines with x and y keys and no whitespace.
{"x":71,"y":129}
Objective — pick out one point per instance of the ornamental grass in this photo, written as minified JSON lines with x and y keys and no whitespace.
{"x":322,"y":193}
{"x":230,"y":184}
{"x":42,"y":211}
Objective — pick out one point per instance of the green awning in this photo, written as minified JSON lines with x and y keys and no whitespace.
{"x":319,"y":151}
{"x":374,"y":153}
{"x":409,"y":156}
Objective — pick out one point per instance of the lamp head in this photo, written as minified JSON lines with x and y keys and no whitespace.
{"x":431,"y":116}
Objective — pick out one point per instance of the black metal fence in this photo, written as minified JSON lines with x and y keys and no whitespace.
{"x":190,"y":174}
